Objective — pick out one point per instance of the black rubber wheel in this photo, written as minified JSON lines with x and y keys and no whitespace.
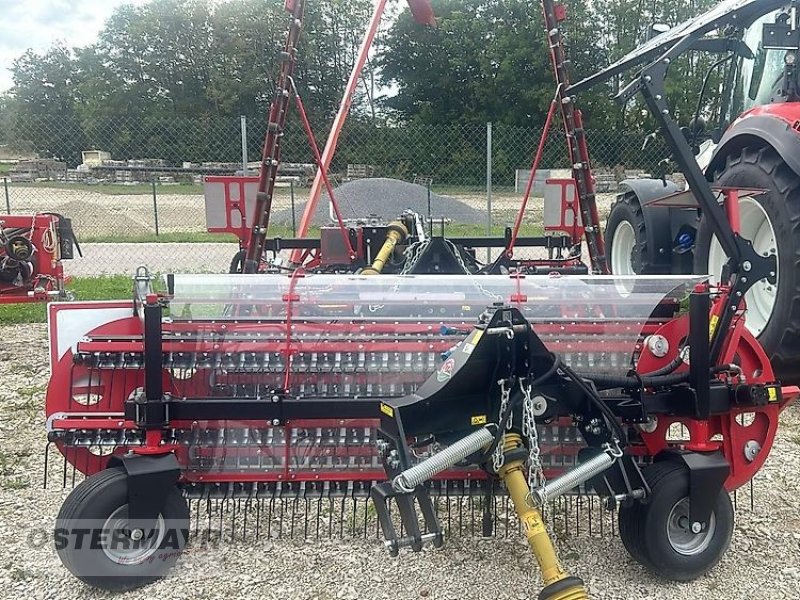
{"x":763,"y":168}
{"x":657,"y":532}
{"x":626,"y":234}
{"x":94,"y":544}
{"x":237,"y":262}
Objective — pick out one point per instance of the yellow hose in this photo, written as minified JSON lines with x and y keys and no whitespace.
{"x":396,"y":233}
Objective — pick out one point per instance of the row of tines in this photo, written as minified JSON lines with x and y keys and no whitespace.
{"x":294,"y":448}
{"x":321,"y":362}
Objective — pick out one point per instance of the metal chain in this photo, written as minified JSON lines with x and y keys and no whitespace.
{"x":412,"y":255}
{"x":498,"y":458}
{"x":536,"y":476}
{"x":459,"y":258}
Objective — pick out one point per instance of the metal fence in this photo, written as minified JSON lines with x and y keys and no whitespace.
{"x":134,"y":190}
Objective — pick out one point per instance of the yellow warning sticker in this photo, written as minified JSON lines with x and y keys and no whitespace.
{"x":773,"y":394}
{"x":712,"y":325}
{"x":479,"y":420}
{"x":387,"y":410}
{"x":533,"y":525}
{"x":476,"y":335}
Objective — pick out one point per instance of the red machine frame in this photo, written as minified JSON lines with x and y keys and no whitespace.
{"x":37,"y":274}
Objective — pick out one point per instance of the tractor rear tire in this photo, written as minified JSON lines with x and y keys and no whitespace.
{"x":778,"y":330}
{"x":626,"y":237}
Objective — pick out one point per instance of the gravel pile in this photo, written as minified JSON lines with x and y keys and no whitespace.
{"x":762,"y":562}
{"x":385,"y":198}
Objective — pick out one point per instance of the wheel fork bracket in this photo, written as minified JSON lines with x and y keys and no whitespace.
{"x":149,"y":481}
{"x":707,"y":474}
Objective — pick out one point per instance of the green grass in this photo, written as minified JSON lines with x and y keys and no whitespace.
{"x":118,"y":190}
{"x":283,"y":231}
{"x":115,"y":287}
{"x":176,"y":237}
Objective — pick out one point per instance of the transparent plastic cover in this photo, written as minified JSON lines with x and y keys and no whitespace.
{"x":345,"y":335}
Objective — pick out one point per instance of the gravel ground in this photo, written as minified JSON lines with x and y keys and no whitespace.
{"x":763,"y":561}
{"x":387,"y":198}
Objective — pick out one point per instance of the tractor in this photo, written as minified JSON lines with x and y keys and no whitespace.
{"x":751,"y":142}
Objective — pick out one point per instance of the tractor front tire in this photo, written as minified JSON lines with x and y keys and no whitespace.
{"x":773,"y":220}
{"x":626,"y":237}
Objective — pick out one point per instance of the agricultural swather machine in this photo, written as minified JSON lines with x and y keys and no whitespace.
{"x":31,"y":250}
{"x":271,"y":390}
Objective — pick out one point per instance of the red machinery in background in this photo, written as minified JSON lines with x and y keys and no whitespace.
{"x":31,"y":250}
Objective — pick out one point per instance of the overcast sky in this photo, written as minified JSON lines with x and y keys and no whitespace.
{"x":37,"y":24}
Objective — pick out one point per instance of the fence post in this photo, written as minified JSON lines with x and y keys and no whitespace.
{"x":488,"y":187}
{"x":8,"y":197}
{"x":243,"y":121}
{"x":155,"y":205}
{"x":291,"y":196}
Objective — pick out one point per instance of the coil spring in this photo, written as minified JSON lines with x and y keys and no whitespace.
{"x":410,"y":478}
{"x":573,"y":478}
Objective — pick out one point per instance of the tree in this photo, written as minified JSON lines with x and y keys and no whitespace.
{"x":183,"y":60}
{"x":44,"y":106}
{"x":487,"y":61}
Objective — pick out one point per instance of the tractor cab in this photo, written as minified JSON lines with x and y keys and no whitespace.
{"x":766,"y":73}
{"x":744,"y":134}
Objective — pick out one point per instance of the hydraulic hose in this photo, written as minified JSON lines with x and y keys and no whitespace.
{"x":608,"y":382}
{"x":667,"y":368}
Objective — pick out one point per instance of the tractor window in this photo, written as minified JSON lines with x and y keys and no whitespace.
{"x":759,"y":76}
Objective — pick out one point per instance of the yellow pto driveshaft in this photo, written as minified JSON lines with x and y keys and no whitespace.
{"x":558,"y":585}
{"x":396,"y":233}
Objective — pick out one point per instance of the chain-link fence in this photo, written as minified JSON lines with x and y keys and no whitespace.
{"x":134,"y":188}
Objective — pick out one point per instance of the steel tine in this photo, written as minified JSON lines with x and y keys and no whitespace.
{"x":197,"y":519}
{"x":247,"y":507}
{"x":258,"y":515}
{"x":319,"y":506}
{"x":233,"y":520}
{"x":223,"y":506}
{"x":208,"y":514}
{"x":306,"y":507}
{"x":46,"y":456}
{"x":271,"y":511}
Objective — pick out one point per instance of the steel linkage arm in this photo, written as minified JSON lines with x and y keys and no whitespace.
{"x":745,"y":266}
{"x":554,"y":14}
{"x":270,"y":156}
